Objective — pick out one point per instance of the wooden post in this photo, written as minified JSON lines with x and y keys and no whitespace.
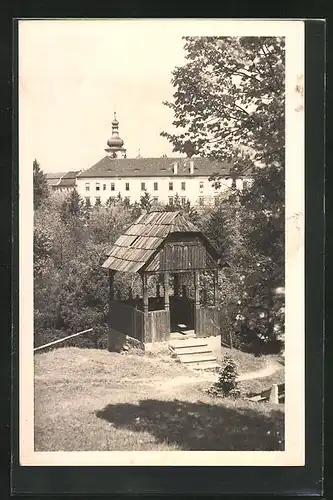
{"x":197,"y":289}
{"x":274,"y":394}
{"x":166,"y":291}
{"x":216,"y":287}
{"x":145,"y":292}
{"x":111,"y":284}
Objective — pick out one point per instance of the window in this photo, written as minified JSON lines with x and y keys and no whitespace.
{"x":245,"y":184}
{"x":97,"y":186}
{"x":87,"y":200}
{"x":201,"y":185}
{"x":87,"y":186}
{"x":183,"y":186}
{"x":155,"y":199}
{"x":98,"y":200}
{"x":201,"y":200}
{"x":112,"y":186}
{"x":171,"y":200}
{"x":155,"y":186}
{"x":183,"y":200}
{"x":127,"y":186}
{"x":170,"y":186}
{"x":143,"y":186}
{"x":104,"y":187}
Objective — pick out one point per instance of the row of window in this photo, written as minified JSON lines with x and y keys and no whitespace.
{"x":143,"y":186}
{"x":183,"y":200}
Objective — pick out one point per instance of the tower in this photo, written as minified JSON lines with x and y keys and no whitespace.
{"x":115,"y":143}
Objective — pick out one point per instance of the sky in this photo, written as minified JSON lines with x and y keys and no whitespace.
{"x":74,"y":74}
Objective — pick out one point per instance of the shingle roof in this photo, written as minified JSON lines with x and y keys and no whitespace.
{"x":137,"y":245}
{"x":147,"y":167}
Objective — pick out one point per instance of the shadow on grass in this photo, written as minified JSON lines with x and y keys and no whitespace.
{"x":199,"y":426}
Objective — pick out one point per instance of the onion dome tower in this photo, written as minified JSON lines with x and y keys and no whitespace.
{"x":115,"y":143}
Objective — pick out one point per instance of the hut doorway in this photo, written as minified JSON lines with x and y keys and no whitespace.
{"x":181,"y":314}
{"x":181,"y":304}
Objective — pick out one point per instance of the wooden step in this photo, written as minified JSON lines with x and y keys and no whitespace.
{"x":180,"y":344}
{"x":196,"y":349}
{"x":196,"y":358}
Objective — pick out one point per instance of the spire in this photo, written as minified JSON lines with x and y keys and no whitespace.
{"x":115,"y":143}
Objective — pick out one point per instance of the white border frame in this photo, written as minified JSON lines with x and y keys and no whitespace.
{"x":293,"y":455}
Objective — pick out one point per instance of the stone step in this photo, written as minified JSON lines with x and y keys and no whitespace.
{"x":196,"y":358}
{"x":180,"y":344}
{"x":196,"y":349}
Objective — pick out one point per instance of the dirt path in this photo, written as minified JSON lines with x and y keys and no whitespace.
{"x":270,"y":369}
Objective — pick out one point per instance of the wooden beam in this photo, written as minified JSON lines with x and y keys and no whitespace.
{"x":145,"y":292}
{"x":166,"y":291}
{"x":111,"y":284}
{"x":197,"y":289}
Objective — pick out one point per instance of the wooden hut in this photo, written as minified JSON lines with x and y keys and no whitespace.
{"x":167,"y":245}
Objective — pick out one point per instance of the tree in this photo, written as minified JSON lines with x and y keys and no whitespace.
{"x":72,"y":208}
{"x":229,"y":106}
{"x":227,"y":384}
{"x":41,"y":190}
{"x":230,"y":98}
{"x":146,"y":201}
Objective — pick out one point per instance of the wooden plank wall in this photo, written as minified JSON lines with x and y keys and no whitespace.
{"x":182,"y":256}
{"x":125,"y":319}
{"x":157,"y":326}
{"x":207,"y":322}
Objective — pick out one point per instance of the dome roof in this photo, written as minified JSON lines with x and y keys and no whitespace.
{"x":115,"y":142}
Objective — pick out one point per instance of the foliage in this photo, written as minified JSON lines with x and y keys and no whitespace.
{"x":72,"y":208}
{"x":146,"y":201}
{"x":229,"y":93}
{"x":227,"y":384}
{"x":229,"y":106}
{"x":40,"y":187}
{"x":70,"y":242}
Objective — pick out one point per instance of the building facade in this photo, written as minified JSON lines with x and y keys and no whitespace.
{"x":163,"y":178}
{"x":62,"y":181}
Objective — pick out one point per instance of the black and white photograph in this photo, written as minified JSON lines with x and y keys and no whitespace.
{"x":161,"y":181}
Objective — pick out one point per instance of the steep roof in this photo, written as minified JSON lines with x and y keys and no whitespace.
{"x":52,"y":175}
{"x":157,"y":167}
{"x":62,"y":179}
{"x":138,"y":244}
{"x":68,"y":180}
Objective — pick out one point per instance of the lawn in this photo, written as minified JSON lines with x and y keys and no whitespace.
{"x":93,"y":400}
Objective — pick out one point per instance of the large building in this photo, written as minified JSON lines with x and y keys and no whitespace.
{"x":62,"y":181}
{"x":163,"y":178}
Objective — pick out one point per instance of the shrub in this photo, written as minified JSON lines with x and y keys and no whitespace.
{"x":227,"y":384}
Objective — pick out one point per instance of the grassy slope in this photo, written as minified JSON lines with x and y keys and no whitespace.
{"x":88,"y":399}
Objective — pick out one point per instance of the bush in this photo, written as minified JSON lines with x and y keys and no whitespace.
{"x":227,"y":384}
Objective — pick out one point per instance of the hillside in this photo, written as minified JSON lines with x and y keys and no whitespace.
{"x":93,"y":400}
